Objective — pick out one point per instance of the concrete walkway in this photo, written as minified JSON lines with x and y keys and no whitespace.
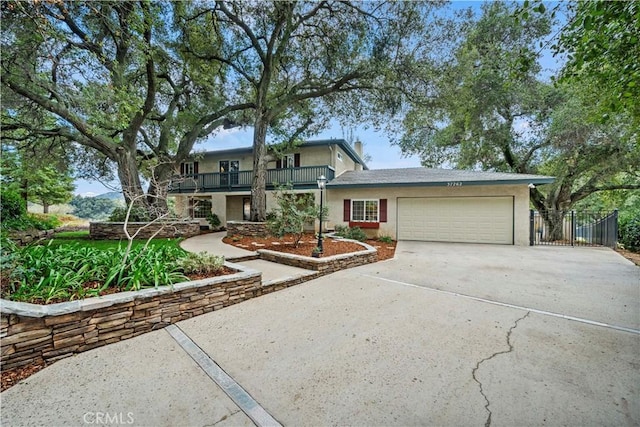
{"x":271,"y":271}
{"x":444,"y":334}
{"x":212,"y":243}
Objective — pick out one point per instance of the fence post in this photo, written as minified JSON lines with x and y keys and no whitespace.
{"x":573,"y":227}
{"x":531,"y":228}
{"x":615,"y":229}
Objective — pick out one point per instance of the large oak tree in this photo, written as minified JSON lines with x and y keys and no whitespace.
{"x":113,"y":75}
{"x":484,"y":113}
{"x":294,"y":61}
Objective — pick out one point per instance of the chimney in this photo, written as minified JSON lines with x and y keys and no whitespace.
{"x":357,"y":146}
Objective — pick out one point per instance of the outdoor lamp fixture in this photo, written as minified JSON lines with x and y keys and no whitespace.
{"x":322,"y":182}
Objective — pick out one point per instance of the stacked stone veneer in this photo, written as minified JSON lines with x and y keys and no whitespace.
{"x":243,"y":228}
{"x":324,"y":265}
{"x":115,"y":230}
{"x":26,"y":237}
{"x":33,"y":333}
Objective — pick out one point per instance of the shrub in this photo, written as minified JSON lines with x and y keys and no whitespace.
{"x":30,"y":221}
{"x":44,"y":221}
{"x":385,"y":239}
{"x":214,"y":221}
{"x":630,"y":234}
{"x":293,"y":212}
{"x":12,"y":206}
{"x":137,"y":215}
{"x":341,"y":230}
{"x":201,"y":263}
{"x":355,"y":233}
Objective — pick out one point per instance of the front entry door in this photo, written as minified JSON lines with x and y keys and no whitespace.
{"x":246,"y":208}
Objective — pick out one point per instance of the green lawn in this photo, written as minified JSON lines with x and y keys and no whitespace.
{"x":81,"y":238}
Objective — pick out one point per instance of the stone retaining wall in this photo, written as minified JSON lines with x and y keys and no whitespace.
{"x":245,"y":228}
{"x":323,"y":265}
{"x":22,"y":238}
{"x":32,"y":333}
{"x":115,"y":230}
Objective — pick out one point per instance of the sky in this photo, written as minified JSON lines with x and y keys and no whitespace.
{"x":377,"y":144}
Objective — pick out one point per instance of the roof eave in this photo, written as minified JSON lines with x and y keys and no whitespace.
{"x":453,"y":183}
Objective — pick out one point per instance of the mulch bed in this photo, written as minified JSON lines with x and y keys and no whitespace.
{"x":307,"y":243}
{"x":11,"y":377}
{"x":634,"y":257}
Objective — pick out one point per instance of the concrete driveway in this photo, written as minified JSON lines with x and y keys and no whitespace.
{"x":445,"y":334}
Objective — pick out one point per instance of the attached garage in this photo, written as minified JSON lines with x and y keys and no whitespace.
{"x":456,"y":219}
{"x":436,"y":205}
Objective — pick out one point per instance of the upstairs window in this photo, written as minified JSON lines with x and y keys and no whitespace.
{"x":188,"y":168}
{"x":339,"y":156}
{"x":288,"y":161}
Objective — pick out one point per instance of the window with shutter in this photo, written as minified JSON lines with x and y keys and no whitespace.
{"x":383,"y":210}
{"x":347,"y":210}
{"x":366,"y":213}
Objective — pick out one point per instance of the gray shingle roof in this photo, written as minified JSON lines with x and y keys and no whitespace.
{"x":432,"y":177}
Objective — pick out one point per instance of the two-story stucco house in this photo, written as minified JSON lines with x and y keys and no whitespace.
{"x":405,"y":204}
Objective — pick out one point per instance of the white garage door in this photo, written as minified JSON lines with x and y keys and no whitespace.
{"x":456,"y":219}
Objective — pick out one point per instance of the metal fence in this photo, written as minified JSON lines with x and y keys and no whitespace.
{"x":573,"y":228}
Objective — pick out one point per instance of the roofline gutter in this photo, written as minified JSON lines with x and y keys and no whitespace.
{"x":537,"y":181}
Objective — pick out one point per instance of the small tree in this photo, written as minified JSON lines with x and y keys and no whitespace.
{"x":49,"y":186}
{"x":293,"y":212}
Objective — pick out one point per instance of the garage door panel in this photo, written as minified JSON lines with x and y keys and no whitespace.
{"x":456,"y":219}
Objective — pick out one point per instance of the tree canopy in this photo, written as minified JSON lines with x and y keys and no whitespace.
{"x":602,"y":45}
{"x":113,"y":76}
{"x":140,"y":83}
{"x":481,"y":115}
{"x":294,"y":62}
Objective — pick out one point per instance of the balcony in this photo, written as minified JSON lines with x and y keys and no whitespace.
{"x":302,"y":177}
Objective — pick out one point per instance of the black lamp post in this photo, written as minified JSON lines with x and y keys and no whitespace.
{"x":322,"y":181}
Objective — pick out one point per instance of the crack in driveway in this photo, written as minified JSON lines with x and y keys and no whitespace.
{"x":475,"y":370}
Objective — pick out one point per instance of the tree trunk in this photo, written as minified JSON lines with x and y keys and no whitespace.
{"x":554,"y":220}
{"x":45,"y":207}
{"x":258,"y":187}
{"x":129,"y":176}
{"x":157,"y":193}
{"x":24,"y":193}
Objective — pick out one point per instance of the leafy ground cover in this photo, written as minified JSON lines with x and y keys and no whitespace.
{"x":71,"y":266}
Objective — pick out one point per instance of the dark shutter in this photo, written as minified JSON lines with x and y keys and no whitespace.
{"x":191,"y":207}
{"x":279,"y":164}
{"x":383,"y":210}
{"x":195,"y":167}
{"x":296,"y":160}
{"x":181,"y":168}
{"x":347,"y":210}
